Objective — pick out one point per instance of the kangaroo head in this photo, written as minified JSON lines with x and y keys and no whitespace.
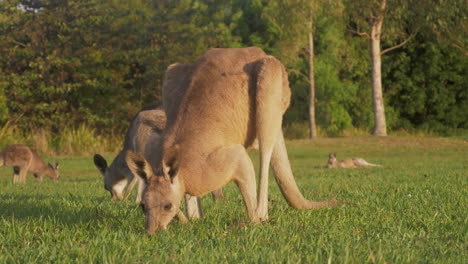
{"x":163,"y":193}
{"x":114,"y":182}
{"x":54,"y":171}
{"x":331,"y":159}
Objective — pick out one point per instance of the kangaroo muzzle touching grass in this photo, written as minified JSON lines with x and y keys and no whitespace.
{"x":348,"y":163}
{"x":24,"y":160}
{"x":174,"y":88}
{"x":143,"y":136}
{"x":232,"y":97}
{"x":118,"y":179}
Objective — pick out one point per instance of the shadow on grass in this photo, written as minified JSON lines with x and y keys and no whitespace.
{"x":68,"y":210}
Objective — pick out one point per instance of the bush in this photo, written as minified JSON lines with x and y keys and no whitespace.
{"x":71,"y":141}
{"x":296,"y":130}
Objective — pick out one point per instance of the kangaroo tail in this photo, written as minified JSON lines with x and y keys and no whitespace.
{"x":286,"y":182}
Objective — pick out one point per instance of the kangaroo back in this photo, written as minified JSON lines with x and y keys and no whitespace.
{"x":16,"y":155}
{"x":142,"y":127}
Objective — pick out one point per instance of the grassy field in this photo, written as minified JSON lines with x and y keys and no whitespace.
{"x":413,"y":210}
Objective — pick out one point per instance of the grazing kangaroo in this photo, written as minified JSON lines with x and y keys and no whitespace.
{"x":232,"y":97}
{"x":24,"y":160}
{"x":174,"y":89}
{"x":117,"y":176}
{"x":348,"y":163}
{"x":143,"y":136}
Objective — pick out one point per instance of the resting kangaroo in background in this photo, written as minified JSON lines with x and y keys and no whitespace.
{"x":232,"y":97}
{"x":117,"y":177}
{"x":348,"y":163}
{"x":24,"y":160}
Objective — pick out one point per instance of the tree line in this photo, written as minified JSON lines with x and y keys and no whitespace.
{"x":367,"y":64}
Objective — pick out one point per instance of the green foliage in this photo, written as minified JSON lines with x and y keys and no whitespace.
{"x":431,"y":92}
{"x":296,"y":130}
{"x":4,"y":115}
{"x":67,"y":58}
{"x":96,"y":63}
{"x":413,"y":210}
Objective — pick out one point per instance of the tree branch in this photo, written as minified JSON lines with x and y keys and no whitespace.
{"x":399,"y":45}
{"x":19,"y":43}
{"x":300,"y":74}
{"x":357,"y":32}
{"x":453,"y":42}
{"x":464,"y":51}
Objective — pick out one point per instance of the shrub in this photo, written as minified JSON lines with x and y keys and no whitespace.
{"x":71,"y":141}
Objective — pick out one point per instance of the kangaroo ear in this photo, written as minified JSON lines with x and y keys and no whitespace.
{"x":171,"y":162}
{"x":50,"y":165}
{"x":100,"y":163}
{"x":138,"y":165}
{"x":56,"y":165}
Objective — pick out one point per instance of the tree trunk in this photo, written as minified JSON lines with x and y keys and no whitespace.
{"x":312,"y":125}
{"x":380,"y":126}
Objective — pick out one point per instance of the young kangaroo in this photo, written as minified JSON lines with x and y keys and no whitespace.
{"x":118,"y":179}
{"x":24,"y":160}
{"x":348,"y":163}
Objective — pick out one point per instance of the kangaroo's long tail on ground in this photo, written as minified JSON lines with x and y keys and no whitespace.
{"x":286,"y":182}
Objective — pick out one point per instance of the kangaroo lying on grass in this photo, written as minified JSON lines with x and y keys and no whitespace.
{"x":232,"y":97}
{"x":348,"y":163}
{"x":117,"y":176}
{"x":24,"y":160}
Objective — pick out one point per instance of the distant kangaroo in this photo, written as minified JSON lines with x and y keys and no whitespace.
{"x":24,"y":160}
{"x":348,"y":163}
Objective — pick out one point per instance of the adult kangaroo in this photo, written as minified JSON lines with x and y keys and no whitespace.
{"x":232,"y":97}
{"x":24,"y":160}
{"x":118,"y":179}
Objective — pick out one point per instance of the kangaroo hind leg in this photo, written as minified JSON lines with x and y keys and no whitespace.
{"x":22,"y":174}
{"x":269,"y":114}
{"x":16,"y":175}
{"x":232,"y":163}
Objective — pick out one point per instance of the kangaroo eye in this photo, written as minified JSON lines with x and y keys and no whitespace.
{"x":168,"y":206}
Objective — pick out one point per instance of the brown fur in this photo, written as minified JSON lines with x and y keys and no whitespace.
{"x":348,"y":163}
{"x":118,"y":179}
{"x":174,"y":87}
{"x":233,"y":96}
{"x":24,"y":160}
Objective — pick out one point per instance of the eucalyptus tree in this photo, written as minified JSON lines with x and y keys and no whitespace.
{"x":366,"y":19}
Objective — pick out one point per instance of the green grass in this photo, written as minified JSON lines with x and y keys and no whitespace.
{"x":413,"y":210}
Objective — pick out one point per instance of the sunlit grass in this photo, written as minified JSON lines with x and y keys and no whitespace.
{"x":414,"y":209}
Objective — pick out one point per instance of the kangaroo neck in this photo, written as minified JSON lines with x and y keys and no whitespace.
{"x":40,"y":168}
